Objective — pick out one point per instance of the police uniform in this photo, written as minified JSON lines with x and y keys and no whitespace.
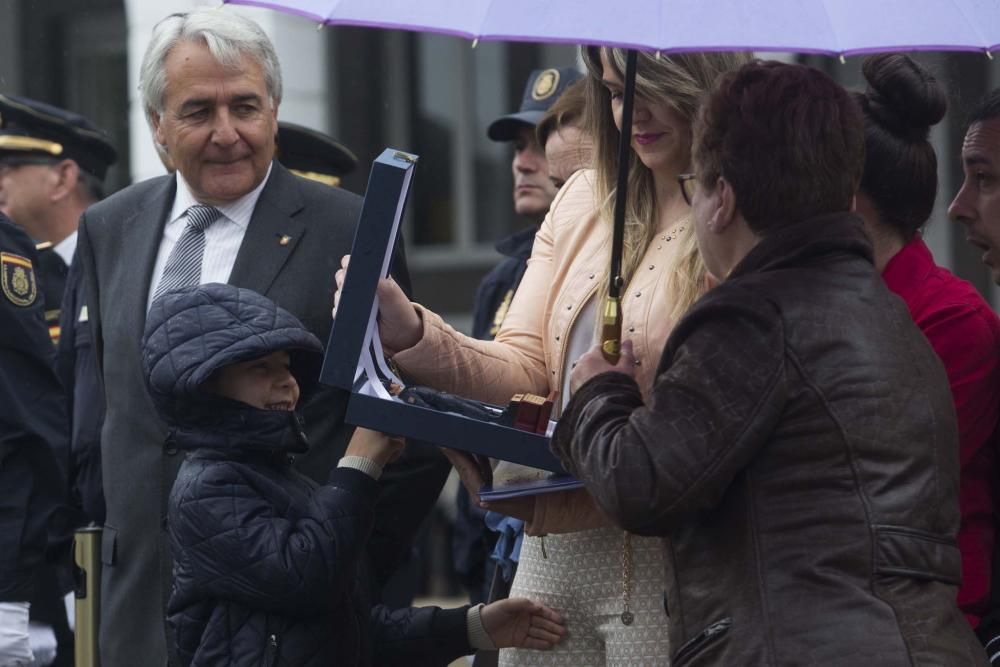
{"x":497,"y":289}
{"x":32,"y":422}
{"x":52,"y":273}
{"x":31,"y":132}
{"x":35,"y":132}
{"x":313,"y":155}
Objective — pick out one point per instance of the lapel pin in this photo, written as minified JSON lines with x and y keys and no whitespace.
{"x":283,"y":239}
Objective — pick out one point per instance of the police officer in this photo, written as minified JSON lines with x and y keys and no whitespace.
{"x":32,"y":423}
{"x":533,"y":193}
{"x":52,"y":166}
{"x":311,"y":154}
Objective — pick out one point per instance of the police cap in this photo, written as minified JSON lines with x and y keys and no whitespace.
{"x":314,"y":155}
{"x":543,"y":88}
{"x":29,"y":128}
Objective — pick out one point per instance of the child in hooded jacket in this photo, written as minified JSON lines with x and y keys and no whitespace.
{"x":266,"y":561}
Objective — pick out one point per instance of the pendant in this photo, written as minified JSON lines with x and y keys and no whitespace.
{"x":627,"y":617}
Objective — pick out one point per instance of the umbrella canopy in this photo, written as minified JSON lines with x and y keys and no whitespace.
{"x":836,"y":27}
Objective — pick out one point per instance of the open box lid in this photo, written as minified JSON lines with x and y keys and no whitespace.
{"x":378,"y":227}
{"x":354,"y":360}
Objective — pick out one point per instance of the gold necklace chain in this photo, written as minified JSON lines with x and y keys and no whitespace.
{"x":627,"y":616}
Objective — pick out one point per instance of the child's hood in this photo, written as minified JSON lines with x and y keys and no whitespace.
{"x":193,"y":331}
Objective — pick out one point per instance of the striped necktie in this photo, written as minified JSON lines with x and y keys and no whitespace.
{"x":183,"y":266}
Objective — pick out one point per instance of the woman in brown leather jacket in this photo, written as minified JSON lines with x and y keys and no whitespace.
{"x":798,"y":449}
{"x":607,"y":587}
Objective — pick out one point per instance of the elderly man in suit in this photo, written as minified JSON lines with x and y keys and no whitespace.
{"x":211,"y":87}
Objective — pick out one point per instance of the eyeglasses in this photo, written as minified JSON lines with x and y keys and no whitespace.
{"x":687,"y":183}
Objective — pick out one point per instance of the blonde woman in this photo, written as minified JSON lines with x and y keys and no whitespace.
{"x":608,"y":586}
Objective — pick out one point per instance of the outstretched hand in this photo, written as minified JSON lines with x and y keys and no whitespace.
{"x":400,"y":327}
{"x":522,"y":623}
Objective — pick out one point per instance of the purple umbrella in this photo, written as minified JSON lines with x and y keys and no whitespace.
{"x":834,"y":27}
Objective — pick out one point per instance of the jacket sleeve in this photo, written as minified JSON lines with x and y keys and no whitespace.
{"x":514,"y":362}
{"x":967,"y":344}
{"x":235,"y":545}
{"x":966,"y":341}
{"x":418,"y":636}
{"x":91,"y":293}
{"x":32,"y":425}
{"x":717,"y":398}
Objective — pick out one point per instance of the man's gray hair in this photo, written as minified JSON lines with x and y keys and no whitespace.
{"x":228,"y":36}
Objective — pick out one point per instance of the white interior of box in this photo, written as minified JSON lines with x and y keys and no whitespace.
{"x":371,"y":350}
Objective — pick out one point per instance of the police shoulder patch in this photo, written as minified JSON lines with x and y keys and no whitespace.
{"x":17,"y":279}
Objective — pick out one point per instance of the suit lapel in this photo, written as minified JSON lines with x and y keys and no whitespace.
{"x":140,"y":241}
{"x":272,"y":235}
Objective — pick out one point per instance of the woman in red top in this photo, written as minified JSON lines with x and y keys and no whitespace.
{"x":896,"y":198}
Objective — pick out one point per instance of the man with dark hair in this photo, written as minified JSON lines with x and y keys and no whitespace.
{"x":799,"y":448}
{"x":533,"y":193}
{"x":977,"y":208}
{"x":977,"y":204}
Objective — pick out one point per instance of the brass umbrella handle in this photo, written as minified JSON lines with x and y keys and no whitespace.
{"x":611,"y":318}
{"x":611,"y":329}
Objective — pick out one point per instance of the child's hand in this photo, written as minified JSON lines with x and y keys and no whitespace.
{"x":521,"y":623}
{"x":380,"y":448}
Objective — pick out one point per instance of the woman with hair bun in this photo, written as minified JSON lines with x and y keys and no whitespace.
{"x":896,"y":198}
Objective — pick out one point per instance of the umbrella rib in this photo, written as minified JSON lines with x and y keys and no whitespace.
{"x":833,"y":30}
{"x":481,"y":28}
{"x":333,"y":8}
{"x":982,"y":38}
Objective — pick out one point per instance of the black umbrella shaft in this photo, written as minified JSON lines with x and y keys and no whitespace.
{"x":611,"y":317}
{"x":621,"y":195}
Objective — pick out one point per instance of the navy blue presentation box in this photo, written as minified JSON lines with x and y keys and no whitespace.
{"x":354,"y":358}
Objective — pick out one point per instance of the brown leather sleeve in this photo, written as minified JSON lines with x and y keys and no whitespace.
{"x":718,"y":395}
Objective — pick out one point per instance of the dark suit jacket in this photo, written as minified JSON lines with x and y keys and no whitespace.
{"x":119,"y":239}
{"x":77,"y":369}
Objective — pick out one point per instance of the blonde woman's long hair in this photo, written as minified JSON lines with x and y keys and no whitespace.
{"x":679,"y":81}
